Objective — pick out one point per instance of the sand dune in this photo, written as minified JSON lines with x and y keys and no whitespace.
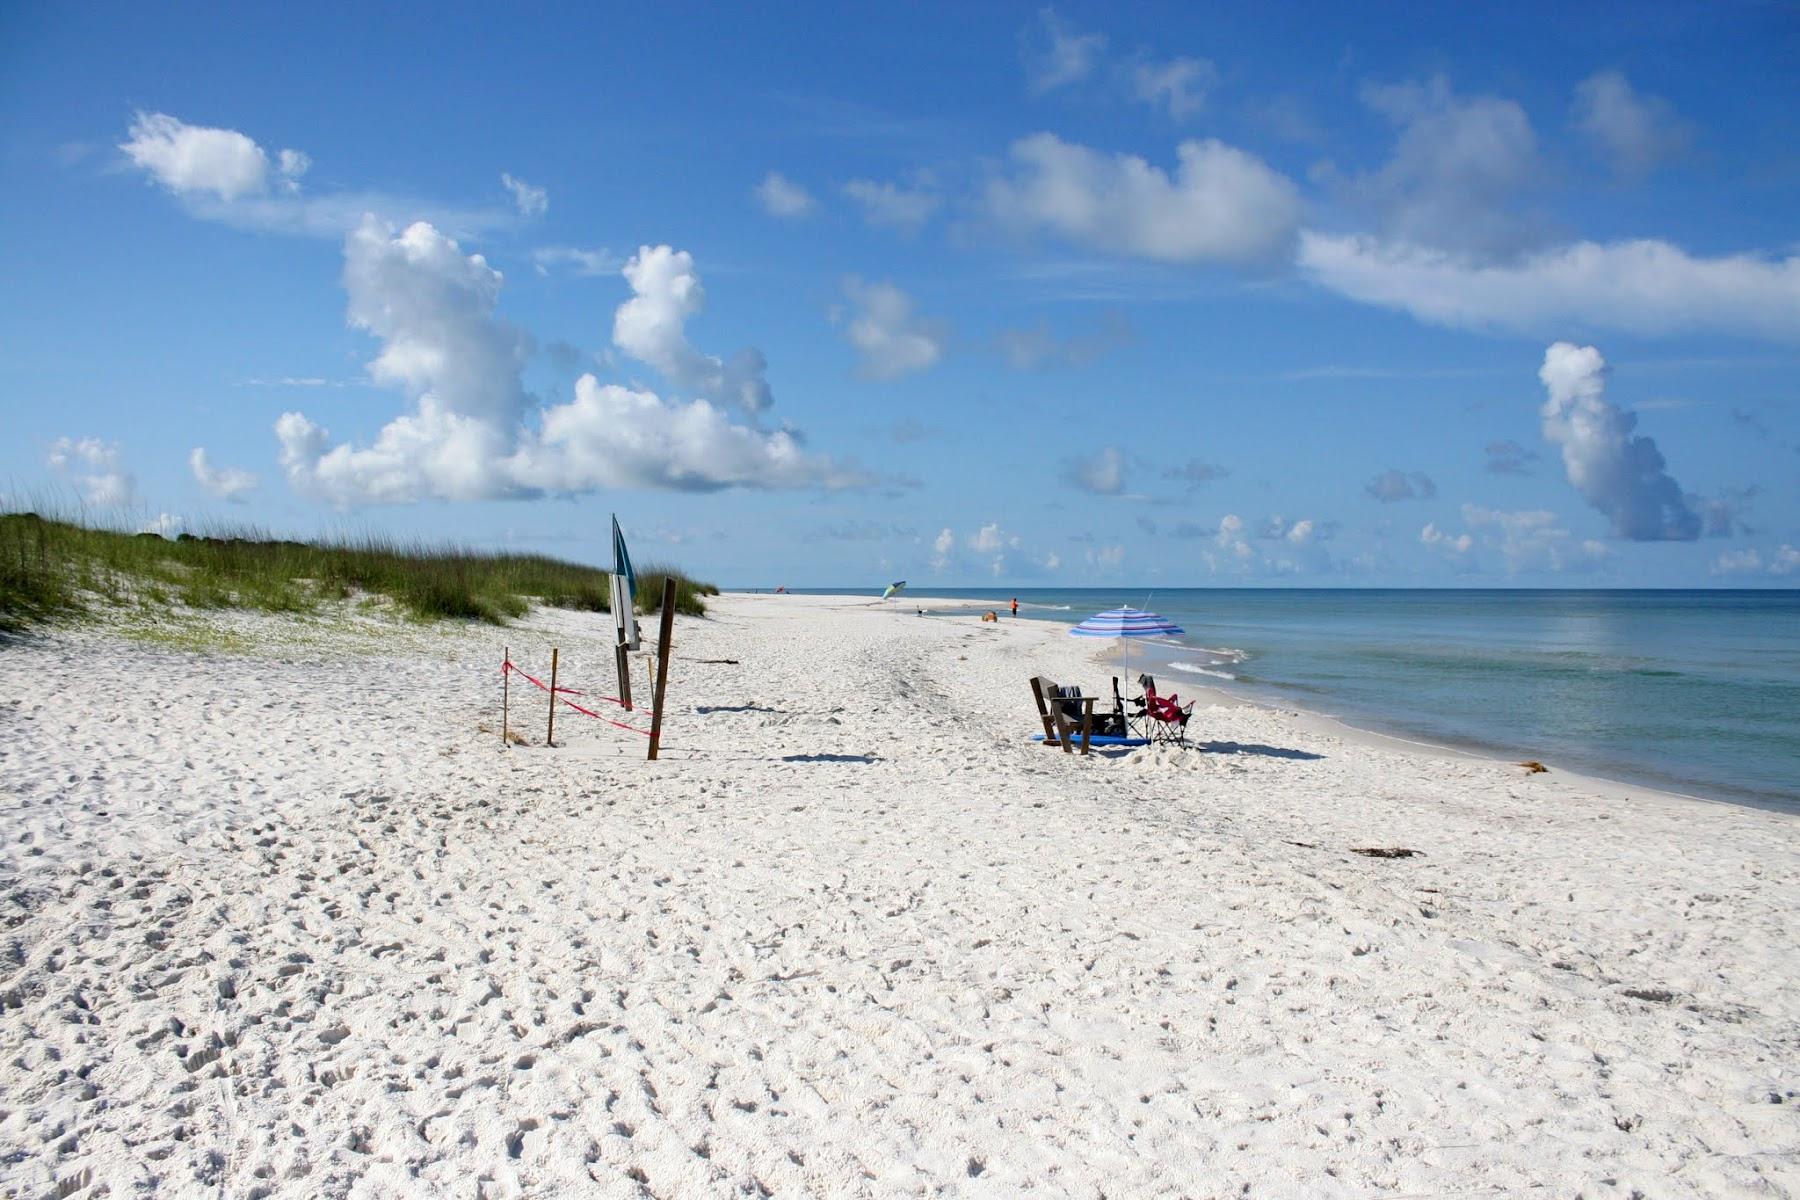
{"x":293,"y":923}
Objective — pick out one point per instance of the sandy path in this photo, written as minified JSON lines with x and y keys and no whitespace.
{"x":293,"y":925}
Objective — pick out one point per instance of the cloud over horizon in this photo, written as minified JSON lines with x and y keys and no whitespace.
{"x":1618,"y":474}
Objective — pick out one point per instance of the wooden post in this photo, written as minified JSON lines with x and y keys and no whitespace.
{"x":622,"y":660}
{"x":505,"y":692}
{"x":664,"y":637}
{"x":550,"y":735}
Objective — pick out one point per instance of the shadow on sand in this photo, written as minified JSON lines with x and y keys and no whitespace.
{"x":837,"y":758}
{"x":713,"y":708}
{"x":1255,"y":748}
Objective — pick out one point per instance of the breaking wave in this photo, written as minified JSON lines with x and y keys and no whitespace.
{"x":1198,"y":669}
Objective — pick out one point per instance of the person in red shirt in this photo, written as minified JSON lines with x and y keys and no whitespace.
{"x":1015,"y":608}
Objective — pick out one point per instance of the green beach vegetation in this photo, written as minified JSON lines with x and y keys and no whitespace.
{"x":53,"y":569}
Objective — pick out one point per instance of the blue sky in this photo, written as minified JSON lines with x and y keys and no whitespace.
{"x":1332,"y":296}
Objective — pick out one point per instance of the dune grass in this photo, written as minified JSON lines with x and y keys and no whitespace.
{"x":51,"y":569}
{"x":690,"y":594}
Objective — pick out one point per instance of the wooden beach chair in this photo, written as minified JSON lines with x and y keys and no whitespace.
{"x":1053,"y":710}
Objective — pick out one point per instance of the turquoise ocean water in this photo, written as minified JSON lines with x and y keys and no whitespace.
{"x":1694,"y":691}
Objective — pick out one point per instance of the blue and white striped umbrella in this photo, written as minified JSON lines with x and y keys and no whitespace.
{"x":1127,"y":622}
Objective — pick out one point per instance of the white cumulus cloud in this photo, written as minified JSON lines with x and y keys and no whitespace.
{"x":891,"y":340}
{"x":984,"y":548}
{"x":617,"y":437}
{"x":1533,"y":540}
{"x":474,"y":433}
{"x":651,"y":327}
{"x":224,"y":175}
{"x":433,"y":309}
{"x":1438,"y":540}
{"x":1220,"y":205}
{"x":1230,"y":536}
{"x":987,"y":539}
{"x":1621,"y":475}
{"x":197,"y":158}
{"x":227,"y":483}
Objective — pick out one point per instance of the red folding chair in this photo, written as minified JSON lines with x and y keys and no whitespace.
{"x":1165,"y":716}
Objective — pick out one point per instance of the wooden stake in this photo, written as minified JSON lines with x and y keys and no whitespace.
{"x":550,"y":736}
{"x":622,"y":660}
{"x":505,"y":692}
{"x":664,"y":637}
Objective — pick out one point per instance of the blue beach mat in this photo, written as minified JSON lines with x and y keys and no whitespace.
{"x":1101,"y":739}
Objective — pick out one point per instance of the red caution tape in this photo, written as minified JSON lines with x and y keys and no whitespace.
{"x":531,"y":679}
{"x":539,"y":684}
{"x":608,"y":720}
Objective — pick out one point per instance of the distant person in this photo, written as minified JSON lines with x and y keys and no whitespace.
{"x":1015,"y":608}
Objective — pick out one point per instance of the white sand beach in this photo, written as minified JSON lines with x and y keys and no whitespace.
{"x":290,"y":921}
